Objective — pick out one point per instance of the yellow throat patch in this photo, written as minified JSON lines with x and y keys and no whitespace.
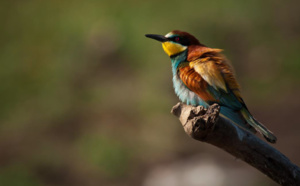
{"x":173,"y":48}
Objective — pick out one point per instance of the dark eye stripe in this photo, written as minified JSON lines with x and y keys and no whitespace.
{"x":180,"y":40}
{"x":173,"y":39}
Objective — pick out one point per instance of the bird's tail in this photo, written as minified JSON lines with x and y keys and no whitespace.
{"x":236,"y":118}
{"x":270,"y":137}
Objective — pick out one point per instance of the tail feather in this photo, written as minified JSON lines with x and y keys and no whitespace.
{"x":244,"y":119}
{"x":237,"y":118}
{"x":269,"y":136}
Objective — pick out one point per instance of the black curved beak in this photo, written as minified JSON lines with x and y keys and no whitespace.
{"x":157,"y":37}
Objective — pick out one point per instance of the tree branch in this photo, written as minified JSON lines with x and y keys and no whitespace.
{"x":206,"y":126}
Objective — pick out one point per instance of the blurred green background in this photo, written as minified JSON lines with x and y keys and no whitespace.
{"x":86,"y":98}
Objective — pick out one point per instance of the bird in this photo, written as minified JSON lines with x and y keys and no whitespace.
{"x":204,"y":76}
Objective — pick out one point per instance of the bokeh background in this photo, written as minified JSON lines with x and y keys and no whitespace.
{"x":86,"y":98}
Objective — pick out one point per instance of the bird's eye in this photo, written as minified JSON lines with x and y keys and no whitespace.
{"x":177,"y":39}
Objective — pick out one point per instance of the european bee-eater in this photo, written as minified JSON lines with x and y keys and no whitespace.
{"x":203,"y":76}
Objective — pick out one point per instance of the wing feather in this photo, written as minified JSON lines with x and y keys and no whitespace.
{"x":221,"y":83}
{"x":210,"y":73}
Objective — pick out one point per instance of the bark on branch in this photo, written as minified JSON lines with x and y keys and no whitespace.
{"x":206,"y":126}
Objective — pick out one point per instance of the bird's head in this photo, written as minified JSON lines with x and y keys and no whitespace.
{"x":175,"y":42}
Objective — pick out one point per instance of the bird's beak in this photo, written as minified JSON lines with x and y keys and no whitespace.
{"x":157,"y":37}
